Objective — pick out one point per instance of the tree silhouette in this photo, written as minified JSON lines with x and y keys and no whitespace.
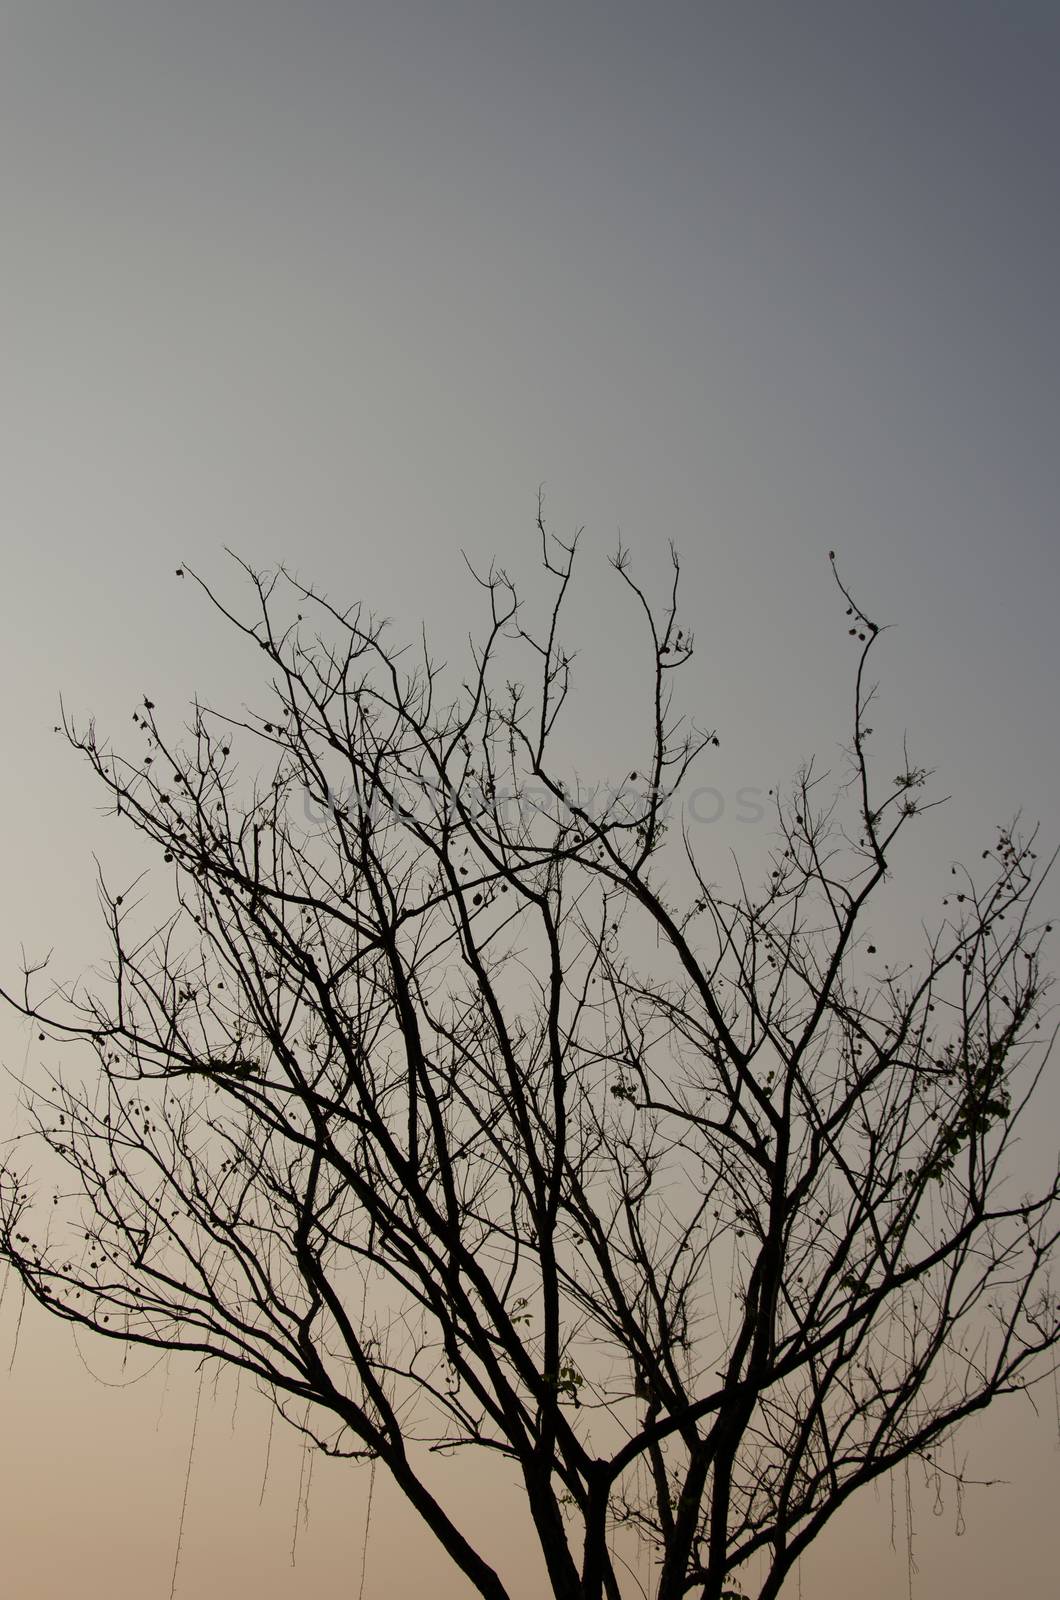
{"x":466,"y":1112}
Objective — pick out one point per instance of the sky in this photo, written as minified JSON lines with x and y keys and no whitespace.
{"x":341,"y":285}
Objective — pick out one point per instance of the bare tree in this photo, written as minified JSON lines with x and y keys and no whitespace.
{"x":465,"y":1112}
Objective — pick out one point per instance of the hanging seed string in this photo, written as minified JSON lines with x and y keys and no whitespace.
{"x":367,"y":1525}
{"x":268,"y":1453}
{"x":301,"y":1481}
{"x":911,"y":1565}
{"x":187,"y":1482}
{"x":18,"y":1327}
{"x":110,"y":1383}
{"x":165,"y":1392}
{"x":624,"y":1563}
{"x":308,"y":1487}
{"x":958,"y":1473}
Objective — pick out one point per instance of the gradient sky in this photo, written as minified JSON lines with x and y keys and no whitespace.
{"x":341,"y":284}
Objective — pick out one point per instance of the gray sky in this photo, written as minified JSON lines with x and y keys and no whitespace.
{"x":341,"y":284}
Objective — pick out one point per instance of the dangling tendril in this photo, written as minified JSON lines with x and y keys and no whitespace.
{"x":268,"y":1453}
{"x":18,"y":1328}
{"x":911,"y":1565}
{"x":187,"y":1482}
{"x":301,"y":1481}
{"x":163,"y":1395}
{"x":110,"y":1383}
{"x":959,"y":1480}
{"x":367,"y":1525}
{"x":308,"y":1487}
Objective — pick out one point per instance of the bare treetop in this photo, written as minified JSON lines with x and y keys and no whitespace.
{"x":467,"y":1110}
